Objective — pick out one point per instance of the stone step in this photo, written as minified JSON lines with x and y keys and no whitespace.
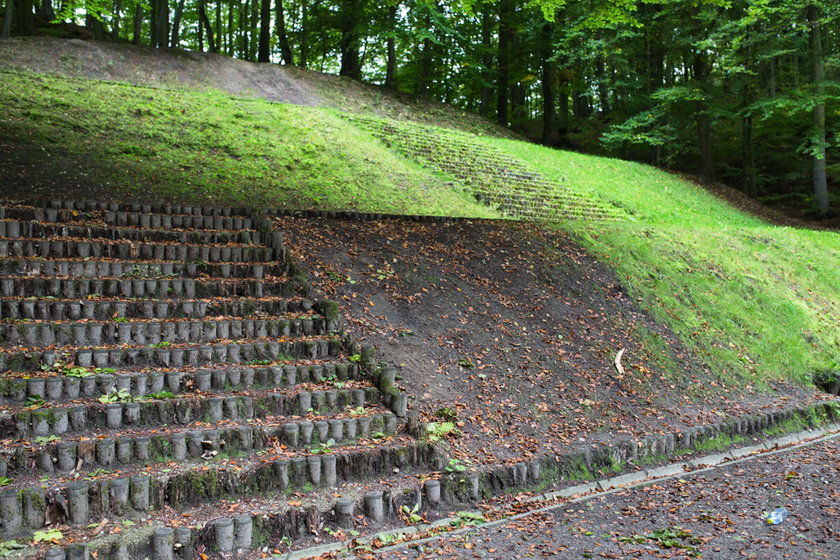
{"x":186,"y":408}
{"x":141,"y":332}
{"x":133,"y":493}
{"x":52,"y":309}
{"x":39,"y":230}
{"x":150,"y":287}
{"x":118,"y":449}
{"x":92,"y":206}
{"x":69,"y":383}
{"x":176,"y":356}
{"x":177,"y":221}
{"x":128,"y":269}
{"x":81,"y":248}
{"x":249,"y":527}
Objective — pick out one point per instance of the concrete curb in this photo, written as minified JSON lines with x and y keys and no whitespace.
{"x":584,"y":492}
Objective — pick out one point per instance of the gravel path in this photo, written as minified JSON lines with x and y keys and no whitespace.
{"x":714,"y":514}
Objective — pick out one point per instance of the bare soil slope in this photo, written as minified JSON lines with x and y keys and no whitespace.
{"x":516,"y":329}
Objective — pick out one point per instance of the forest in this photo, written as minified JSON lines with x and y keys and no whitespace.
{"x":742,"y":92}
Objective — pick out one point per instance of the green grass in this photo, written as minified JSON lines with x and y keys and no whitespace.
{"x":213,"y":147}
{"x":754,"y":301}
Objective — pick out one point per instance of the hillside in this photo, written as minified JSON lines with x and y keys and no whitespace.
{"x":184,"y":317}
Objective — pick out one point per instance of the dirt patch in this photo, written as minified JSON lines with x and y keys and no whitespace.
{"x":515,"y":330}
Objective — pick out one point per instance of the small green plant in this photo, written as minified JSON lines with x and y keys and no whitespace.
{"x":324,"y":447}
{"x":411,"y":514}
{"x":377,"y":435}
{"x":358,"y":411}
{"x":467,"y":519}
{"x":44,"y":440}
{"x":160,"y":395}
{"x":121,"y":319}
{"x":163,"y":344}
{"x":455,"y":466}
{"x":34,"y":401}
{"x":50,"y":536}
{"x":7,"y":547}
{"x":446,"y":414}
{"x":259,"y":362}
{"x":121,"y":396}
{"x":437,"y":430}
{"x":5,"y":480}
{"x":103,"y":370}
{"x":406,"y":332}
{"x":339,"y":384}
{"x":355,"y":358}
{"x":99,"y":471}
{"x":672,"y":537}
{"x":466,"y":364}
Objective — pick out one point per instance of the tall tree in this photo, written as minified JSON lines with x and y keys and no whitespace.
{"x":264,"y":54}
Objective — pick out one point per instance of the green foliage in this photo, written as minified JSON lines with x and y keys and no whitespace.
{"x":455,"y":466}
{"x":467,"y":519}
{"x":355,"y":358}
{"x":437,"y":430}
{"x":7,"y":547}
{"x":325,"y":447}
{"x":5,"y":481}
{"x":672,"y":537}
{"x":48,"y":536}
{"x":120,"y":396}
{"x":45,"y":440}
{"x":160,"y":395}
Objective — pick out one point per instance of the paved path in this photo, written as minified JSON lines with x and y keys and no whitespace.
{"x":719,"y":511}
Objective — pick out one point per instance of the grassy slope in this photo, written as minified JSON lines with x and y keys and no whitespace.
{"x":754,"y":300}
{"x":176,"y":144}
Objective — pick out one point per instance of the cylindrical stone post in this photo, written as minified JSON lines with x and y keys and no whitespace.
{"x":183,"y":540}
{"x":78,"y":504}
{"x":344,"y":513}
{"x":139,"y":492}
{"x":328,"y":470}
{"x":373,"y":506}
{"x":223,"y":529}
{"x":118,"y":496}
{"x":431,"y":488}
{"x":163,"y":543}
{"x":314,"y":465}
{"x":242,"y":531}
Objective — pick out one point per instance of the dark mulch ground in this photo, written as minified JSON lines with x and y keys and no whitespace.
{"x":721,"y":511}
{"x":516,"y":329}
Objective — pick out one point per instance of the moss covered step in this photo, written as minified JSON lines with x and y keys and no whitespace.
{"x":53,"y":309}
{"x":94,"y":231}
{"x":130,"y":269}
{"x":149,"y":287}
{"x":135,"y":493}
{"x":176,"y":356}
{"x":67,"y":383}
{"x":115,"y":449}
{"x":92,"y":415}
{"x":155,"y":331}
{"x":82,"y":248}
{"x":95,"y":205}
{"x":177,"y":221}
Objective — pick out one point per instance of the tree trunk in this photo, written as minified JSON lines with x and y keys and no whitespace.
{"x":95,"y":26}
{"x":264,"y":52}
{"x":231,"y":42}
{"x":47,"y":12}
{"x":6,"y":31}
{"x":208,"y":29}
{"x":137,"y":31}
{"x":425,"y":66}
{"x":26,"y":17}
{"x":304,"y":37}
{"x":176,"y":25}
{"x":391,"y":63}
{"x":820,"y":177}
{"x":282,"y":37}
{"x":547,"y":40}
{"x":701,"y":71}
{"x":254,"y":41}
{"x":502,"y":83}
{"x":244,"y":10}
{"x":486,"y":62}
{"x":349,"y":15}
{"x":218,"y":26}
